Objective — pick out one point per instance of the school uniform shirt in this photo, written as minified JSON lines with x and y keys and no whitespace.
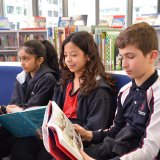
{"x":137,"y":122}
{"x":36,"y":91}
{"x":93,"y":111}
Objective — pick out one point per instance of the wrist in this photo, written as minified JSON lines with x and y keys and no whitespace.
{"x":89,"y":135}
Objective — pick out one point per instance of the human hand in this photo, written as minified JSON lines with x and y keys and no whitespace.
{"x":13,"y":109}
{"x":85,"y":135}
{"x":85,"y":156}
{"x":39,"y":133}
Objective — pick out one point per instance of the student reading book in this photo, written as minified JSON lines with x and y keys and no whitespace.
{"x":59,"y":136}
{"x":34,"y":86}
{"x":85,"y":90}
{"x":25,"y":123}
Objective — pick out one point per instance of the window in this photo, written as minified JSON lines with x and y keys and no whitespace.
{"x":50,"y":1}
{"x":10,"y":9}
{"x":143,"y":7}
{"x":49,"y":13}
{"x":48,"y":9}
{"x":55,"y":13}
{"x":17,"y":11}
{"x":82,"y":7}
{"x":40,"y":13}
{"x":55,"y":1}
{"x":108,"y":9}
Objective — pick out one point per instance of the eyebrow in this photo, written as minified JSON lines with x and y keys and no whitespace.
{"x":128,"y":53}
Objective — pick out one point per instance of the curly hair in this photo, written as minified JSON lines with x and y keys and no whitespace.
{"x":93,"y":68}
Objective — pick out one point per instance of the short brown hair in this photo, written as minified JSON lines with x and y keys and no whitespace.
{"x":141,"y":35}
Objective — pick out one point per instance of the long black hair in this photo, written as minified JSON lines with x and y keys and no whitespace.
{"x":43,"y":49}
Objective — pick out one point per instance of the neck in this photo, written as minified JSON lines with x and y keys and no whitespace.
{"x":139,"y":81}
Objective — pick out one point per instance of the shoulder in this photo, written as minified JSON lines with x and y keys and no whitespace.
{"x":126,"y":87}
{"x":124,"y":91}
{"x":102,"y":83}
{"x":21,"y":77}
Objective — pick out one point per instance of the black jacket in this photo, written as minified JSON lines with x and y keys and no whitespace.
{"x":36,"y":91}
{"x":94,"y":110}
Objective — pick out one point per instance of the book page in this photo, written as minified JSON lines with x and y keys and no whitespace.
{"x":34,"y":108}
{"x":67,"y":135}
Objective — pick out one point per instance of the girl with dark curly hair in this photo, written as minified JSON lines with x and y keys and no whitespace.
{"x":84,"y":92}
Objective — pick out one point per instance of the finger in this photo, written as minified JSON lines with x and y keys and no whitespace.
{"x":85,"y":156}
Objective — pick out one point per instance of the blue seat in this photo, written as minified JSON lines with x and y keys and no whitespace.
{"x":7,"y":79}
{"x":120,"y":80}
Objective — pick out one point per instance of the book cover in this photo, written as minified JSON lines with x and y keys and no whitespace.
{"x":25,"y":123}
{"x":4,"y":23}
{"x":59,"y":136}
{"x":118,"y":21}
{"x":65,"y":21}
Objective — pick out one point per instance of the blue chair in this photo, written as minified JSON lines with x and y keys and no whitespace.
{"x":7,"y":78}
{"x":120,"y":80}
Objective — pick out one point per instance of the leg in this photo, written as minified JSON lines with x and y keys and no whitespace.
{"x":103,"y":150}
{"x":43,"y":154}
{"x":25,"y":149}
{"x":6,"y":141}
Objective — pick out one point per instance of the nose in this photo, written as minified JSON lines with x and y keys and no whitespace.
{"x":22,"y":63}
{"x":68,"y":58}
{"x":124,"y":63}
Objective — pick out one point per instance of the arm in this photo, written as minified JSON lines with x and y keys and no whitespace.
{"x":97,"y":136}
{"x":99,"y":104}
{"x":43,"y":92}
{"x":151,"y":143}
{"x":17,"y":94}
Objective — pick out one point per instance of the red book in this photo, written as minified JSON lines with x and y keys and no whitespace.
{"x":59,"y":136}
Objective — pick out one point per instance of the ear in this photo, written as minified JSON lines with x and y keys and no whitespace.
{"x":88,"y":58}
{"x":40,"y":60}
{"x":154,"y":55}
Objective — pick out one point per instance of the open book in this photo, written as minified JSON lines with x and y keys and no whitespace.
{"x":59,"y":136}
{"x":24,"y":123}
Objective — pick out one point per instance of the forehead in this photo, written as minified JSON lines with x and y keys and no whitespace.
{"x":130,"y":49}
{"x":23,"y":53}
{"x":71,"y":46}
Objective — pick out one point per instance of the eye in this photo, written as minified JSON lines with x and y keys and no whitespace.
{"x":131,"y":56}
{"x":74,"y":55}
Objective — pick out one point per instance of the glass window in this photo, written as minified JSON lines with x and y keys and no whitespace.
{"x":108,"y":9}
{"x":51,"y":9}
{"x":10,"y":9}
{"x":144,"y":7}
{"x":55,"y":1}
{"x":82,"y":7}
{"x":17,"y":11}
{"x":55,"y":14}
{"x":45,"y":9}
{"x":1,"y":6}
{"x":49,"y":13}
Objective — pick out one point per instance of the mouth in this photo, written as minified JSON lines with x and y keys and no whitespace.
{"x":128,"y":72}
{"x":70,"y":66}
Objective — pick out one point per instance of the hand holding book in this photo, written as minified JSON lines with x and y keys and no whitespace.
{"x":59,"y":136}
{"x":23,"y":123}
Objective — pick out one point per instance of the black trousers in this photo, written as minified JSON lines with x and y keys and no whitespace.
{"x":29,"y":148}
{"x":6,"y":142}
